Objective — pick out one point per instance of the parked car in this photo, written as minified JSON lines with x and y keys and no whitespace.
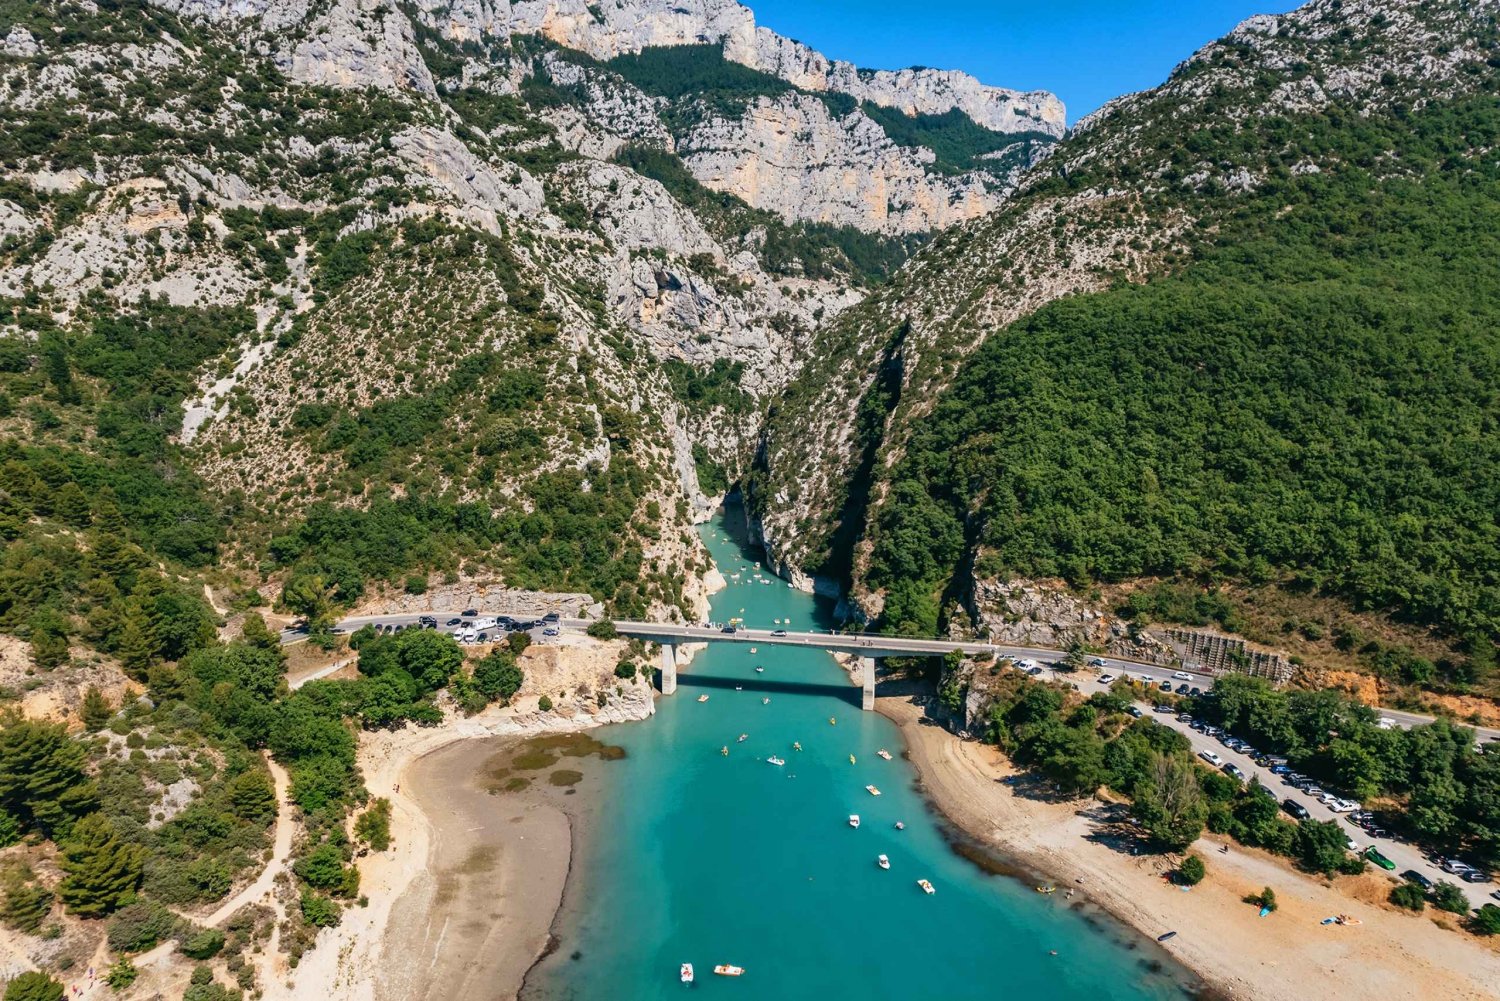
{"x":1106,"y":679}
{"x":1165,"y":686}
{"x":778,"y":632}
{"x":1182,"y":689}
{"x":482,"y":638}
{"x":1234,"y":770}
{"x":1097,"y":662}
{"x":469,"y":613}
{"x":552,"y":631}
{"x":1161,"y":709}
{"x":453,"y":622}
{"x":1475,"y":876}
{"x":1412,"y":876}
{"x":1373,"y":854}
{"x":553,"y":617}
{"x":1386,"y":723}
{"x":1185,"y":718}
{"x":1211,"y":758}
{"x":1295,"y":808}
{"x":1454,"y":866}
{"x":1135,"y":711}
{"x":1182,"y":676}
{"x":1195,"y":692}
{"x":1033,"y":671}
{"x":729,"y":629}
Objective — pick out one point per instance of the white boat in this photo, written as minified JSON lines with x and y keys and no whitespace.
{"x":773,"y":759}
{"x":882,"y":861}
{"x":744,"y":737}
{"x":926,"y":886}
{"x":752,"y":649}
{"x":725,"y":970}
{"x":900,"y":826}
{"x":872,"y":790}
{"x":854,"y":821}
{"x":765,"y":702}
{"x":686,"y":973}
{"x":703,"y":698}
{"x":760,"y":670}
{"x":884,"y":754}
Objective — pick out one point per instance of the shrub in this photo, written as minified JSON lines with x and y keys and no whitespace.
{"x":139,"y":926}
{"x":625,"y":669}
{"x":604,"y":629}
{"x":121,"y":975}
{"x":544,"y":704}
{"x":318,"y":910}
{"x":1191,"y":871}
{"x":1486,"y":921}
{"x":204,"y":944}
{"x":1448,"y":897}
{"x":1409,"y":896}
{"x":26,"y":906}
{"x":374,"y":825}
{"x":1265,"y":899}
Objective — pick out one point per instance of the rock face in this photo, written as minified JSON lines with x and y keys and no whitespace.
{"x":793,"y":157}
{"x":605,"y":30}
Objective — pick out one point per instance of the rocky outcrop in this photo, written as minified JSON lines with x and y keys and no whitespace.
{"x":357,"y":44}
{"x":792,"y":157}
{"x":1030,"y":613}
{"x":608,"y":30}
{"x":478,"y":191}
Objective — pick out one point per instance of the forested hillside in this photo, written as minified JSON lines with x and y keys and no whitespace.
{"x":1315,"y":400}
{"x":1281,"y":370}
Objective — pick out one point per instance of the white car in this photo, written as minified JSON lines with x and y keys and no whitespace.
{"x":1182,"y":676}
{"x":1097,"y":662}
{"x":1211,"y":758}
{"x":1105,"y":679}
{"x":1386,"y":723}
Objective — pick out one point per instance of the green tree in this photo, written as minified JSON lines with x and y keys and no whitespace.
{"x":1486,"y":920}
{"x":1169,"y":803}
{"x":374,"y":825}
{"x":42,"y":779}
{"x":95,"y":710}
{"x":323,"y":867}
{"x":26,"y":905}
{"x":1191,"y":871}
{"x":1449,"y":897}
{"x":308,"y":595}
{"x":101,"y":871}
{"x":544,"y":704}
{"x":604,"y":629}
{"x":202,"y":944}
{"x":1322,"y":847}
{"x":33,"y":985}
{"x":497,"y":676}
{"x":318,"y":910}
{"x":1265,"y":899}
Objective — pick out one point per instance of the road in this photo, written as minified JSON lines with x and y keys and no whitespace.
{"x":1406,"y":856}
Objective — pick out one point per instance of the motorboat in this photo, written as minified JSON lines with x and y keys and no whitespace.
{"x":752,"y":649}
{"x":900,"y":826}
{"x":725,"y":970}
{"x":854,"y":821}
{"x":760,"y":670}
{"x":765,"y":702}
{"x":773,"y":759}
{"x":796,"y":746}
{"x":744,"y":737}
{"x":686,"y":973}
{"x":872,"y":790}
{"x":724,"y":750}
{"x":926,"y":886}
{"x":882,"y":861}
{"x":703,"y":698}
{"x":884,"y":754}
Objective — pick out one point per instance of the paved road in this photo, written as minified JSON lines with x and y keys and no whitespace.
{"x":1406,"y":856}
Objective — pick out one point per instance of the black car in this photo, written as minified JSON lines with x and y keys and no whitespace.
{"x":1182,"y":689}
{"x":728,"y":629}
{"x":1412,"y":876}
{"x":1135,"y":711}
{"x":427,"y":622}
{"x":1295,"y":808}
{"x":552,"y":618}
{"x":1195,"y":691}
{"x":469,"y":613}
{"x":454,"y":622}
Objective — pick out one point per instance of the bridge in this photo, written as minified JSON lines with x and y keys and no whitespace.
{"x":864,"y":646}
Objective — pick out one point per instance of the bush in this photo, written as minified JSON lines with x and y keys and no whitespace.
{"x":1409,"y":896}
{"x":139,"y":926}
{"x":318,"y":910}
{"x":1486,"y":921}
{"x":34,"y":986}
{"x":1192,"y":871}
{"x":625,"y":669}
{"x":1265,"y":899}
{"x":26,"y":906}
{"x":374,"y":825}
{"x":1448,"y":897}
{"x":604,"y":629}
{"x":204,"y":944}
{"x":121,"y":975}
{"x":544,"y":704}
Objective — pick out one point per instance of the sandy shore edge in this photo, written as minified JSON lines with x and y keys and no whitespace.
{"x":1288,"y":956}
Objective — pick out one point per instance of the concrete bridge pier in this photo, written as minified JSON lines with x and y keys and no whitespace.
{"x":668,"y":668}
{"x":867,"y":673}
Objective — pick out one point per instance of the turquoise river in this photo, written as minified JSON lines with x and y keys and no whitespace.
{"x":709,"y":859}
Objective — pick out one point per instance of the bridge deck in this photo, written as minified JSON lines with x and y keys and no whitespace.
{"x":866,"y":645}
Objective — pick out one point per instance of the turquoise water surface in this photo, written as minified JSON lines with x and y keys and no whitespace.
{"x":710,"y":859}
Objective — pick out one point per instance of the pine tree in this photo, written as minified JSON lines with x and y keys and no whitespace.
{"x":135,"y":645}
{"x":95,"y":710}
{"x":42,"y":779}
{"x":102,"y":871}
{"x":71,"y":506}
{"x":34,"y":986}
{"x":25,"y":905}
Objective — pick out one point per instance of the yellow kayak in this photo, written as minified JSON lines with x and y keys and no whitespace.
{"x":851,"y":759}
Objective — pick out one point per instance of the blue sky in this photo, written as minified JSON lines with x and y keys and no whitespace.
{"x":1084,"y":51}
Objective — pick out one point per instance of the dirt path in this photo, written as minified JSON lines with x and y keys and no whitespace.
{"x":1287,"y":956}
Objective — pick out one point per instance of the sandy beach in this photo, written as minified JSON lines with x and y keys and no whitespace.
{"x":1286,"y":956}
{"x":475,"y":919}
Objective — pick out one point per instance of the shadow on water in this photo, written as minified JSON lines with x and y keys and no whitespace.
{"x":844,"y":693}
